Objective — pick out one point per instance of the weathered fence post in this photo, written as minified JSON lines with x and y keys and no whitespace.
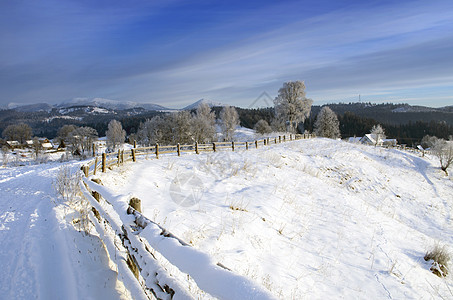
{"x":213,"y":147}
{"x":104,"y":161}
{"x":119,"y":157}
{"x":86,"y":170}
{"x":246,"y":145}
{"x":122,"y":156}
{"x":133,"y":154}
{"x":94,"y":149}
{"x":157,"y":150}
{"x":136,"y":204}
{"x":290,"y":137}
{"x":95,"y":165}
{"x":275,"y":140}
{"x":256,"y":144}
{"x":178,"y":149}
{"x":135,"y":144}
{"x":284,"y":138}
{"x":196,"y":148}
{"x":232,"y":145}
{"x":279,"y":138}
{"x":267,"y":143}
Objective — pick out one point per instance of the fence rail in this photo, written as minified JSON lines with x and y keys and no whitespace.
{"x":133,"y":245}
{"x":109,"y":160}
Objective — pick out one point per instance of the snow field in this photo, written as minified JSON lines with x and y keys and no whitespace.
{"x":307,"y":219}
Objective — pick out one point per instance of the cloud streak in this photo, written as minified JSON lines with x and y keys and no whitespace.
{"x":231,"y":55}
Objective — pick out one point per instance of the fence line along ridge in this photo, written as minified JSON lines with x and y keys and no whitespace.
{"x":108,"y":160}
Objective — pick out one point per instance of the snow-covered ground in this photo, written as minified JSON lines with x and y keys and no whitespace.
{"x":312,"y":218}
{"x":42,"y":256}
{"x":308,"y":219}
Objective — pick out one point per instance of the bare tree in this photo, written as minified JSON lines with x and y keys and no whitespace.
{"x":291,"y":105}
{"x":230,"y":120}
{"x":203,"y":124}
{"x":64,"y":134}
{"x":115,"y":134}
{"x":20,"y":132}
{"x":327,"y":124}
{"x":36,"y":147}
{"x":377,"y":133}
{"x":82,"y":140}
{"x":262,"y":127}
{"x":444,"y":151}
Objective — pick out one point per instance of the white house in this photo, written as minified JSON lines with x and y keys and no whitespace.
{"x":370,"y":139}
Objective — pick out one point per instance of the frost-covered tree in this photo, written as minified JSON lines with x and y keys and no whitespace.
{"x":229,"y":120}
{"x":180,"y":127}
{"x":291,"y":105}
{"x":262,"y":127}
{"x":20,"y":132}
{"x":152,"y":131}
{"x":327,"y":124}
{"x":428,"y":141}
{"x":378,"y":133}
{"x":115,"y":134}
{"x":444,"y":151}
{"x":203,"y":124}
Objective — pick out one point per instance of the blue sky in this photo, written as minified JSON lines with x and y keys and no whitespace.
{"x":175,"y":52}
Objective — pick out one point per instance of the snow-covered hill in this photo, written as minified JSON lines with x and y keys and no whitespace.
{"x":306,"y":219}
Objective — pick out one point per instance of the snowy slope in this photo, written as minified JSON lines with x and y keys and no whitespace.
{"x":307,"y":219}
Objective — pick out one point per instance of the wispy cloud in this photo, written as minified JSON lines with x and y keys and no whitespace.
{"x":139,"y":53}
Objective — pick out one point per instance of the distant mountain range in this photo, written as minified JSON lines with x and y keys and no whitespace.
{"x":102,"y":103}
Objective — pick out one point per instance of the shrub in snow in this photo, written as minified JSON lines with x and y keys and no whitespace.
{"x":262,"y":127}
{"x":66,"y":184}
{"x":5,"y":155}
{"x":440,"y":259}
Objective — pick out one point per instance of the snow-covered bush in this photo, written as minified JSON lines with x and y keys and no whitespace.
{"x":5,"y":155}
{"x":440,"y":258}
{"x":262,"y":127}
{"x":67,"y":185}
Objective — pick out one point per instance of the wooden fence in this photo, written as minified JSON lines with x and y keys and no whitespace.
{"x":108,"y":160}
{"x":132,"y":245}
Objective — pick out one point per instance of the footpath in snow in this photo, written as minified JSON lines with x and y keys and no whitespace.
{"x":42,"y":256}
